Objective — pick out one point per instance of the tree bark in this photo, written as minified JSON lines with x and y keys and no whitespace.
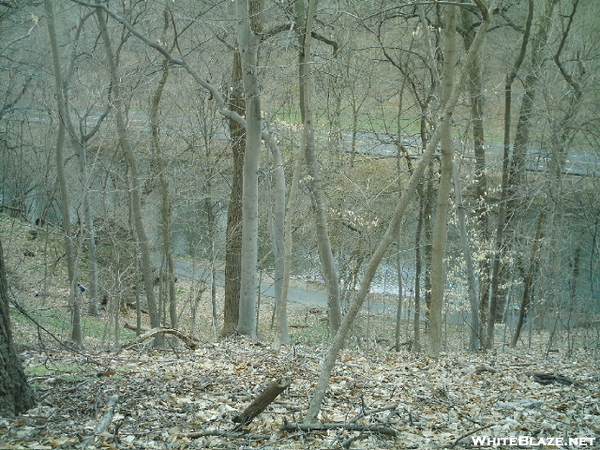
{"x":233,"y":246}
{"x":16,"y":396}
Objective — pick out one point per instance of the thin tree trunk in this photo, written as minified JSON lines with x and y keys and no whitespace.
{"x":528,"y":279}
{"x":80,"y":144}
{"x":416,"y":341}
{"x":475,"y":327}
{"x":136,"y":203}
{"x":159,"y":161}
{"x":282,"y":231}
{"x":514,"y":169}
{"x":392,"y":230}
{"x":304,"y":20}
{"x":248,"y":44}
{"x":233,"y":246}
{"x":475,"y":85}
{"x":76,"y":333}
{"x":440,"y":228}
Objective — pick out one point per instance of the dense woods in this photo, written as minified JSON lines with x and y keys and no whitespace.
{"x":410,"y":178}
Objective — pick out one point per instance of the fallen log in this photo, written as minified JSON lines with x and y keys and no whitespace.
{"x":187,"y":340}
{"x":264,"y":399}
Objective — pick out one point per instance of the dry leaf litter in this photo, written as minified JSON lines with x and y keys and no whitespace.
{"x":186,"y":399}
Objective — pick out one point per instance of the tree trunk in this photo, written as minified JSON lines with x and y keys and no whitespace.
{"x":136,"y":203}
{"x":304,"y":20}
{"x":391,"y":231}
{"x":233,"y":246}
{"x":475,"y":326}
{"x":416,"y":340}
{"x":159,"y":161}
{"x":76,"y":333}
{"x":476,"y":90}
{"x":513,"y":170}
{"x":282,"y":245}
{"x":248,"y":45}
{"x":16,"y":396}
{"x":440,"y":228}
{"x":528,"y":280}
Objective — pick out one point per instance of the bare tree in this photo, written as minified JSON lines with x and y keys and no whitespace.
{"x":304,"y":20}
{"x":135,"y":180}
{"x":440,"y":230}
{"x":166,"y":209}
{"x":233,"y":250}
{"x":392,"y":229}
{"x":76,"y":333}
{"x":514,"y":167}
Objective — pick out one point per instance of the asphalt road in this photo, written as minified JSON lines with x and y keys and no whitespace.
{"x":297,"y":295}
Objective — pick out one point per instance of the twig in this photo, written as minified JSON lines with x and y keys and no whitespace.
{"x":292,"y":426}
{"x":470,"y":433}
{"x":229,"y":434}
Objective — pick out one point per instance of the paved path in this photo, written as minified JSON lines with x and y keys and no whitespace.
{"x":297,"y":295}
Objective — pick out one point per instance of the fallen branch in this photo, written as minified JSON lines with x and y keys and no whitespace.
{"x":187,"y":340}
{"x":379,"y":429}
{"x":470,"y":433}
{"x":106,"y":418}
{"x":547,"y":378}
{"x":228,"y":434}
{"x":259,"y":404}
{"x":134,"y":328}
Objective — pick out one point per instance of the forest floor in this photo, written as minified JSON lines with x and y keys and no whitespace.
{"x":116,"y":395}
{"x":378,"y":399}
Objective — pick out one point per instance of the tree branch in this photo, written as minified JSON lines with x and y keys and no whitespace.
{"x":293,"y":426}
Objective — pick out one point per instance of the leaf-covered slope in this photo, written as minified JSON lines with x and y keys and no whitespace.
{"x":186,"y":399}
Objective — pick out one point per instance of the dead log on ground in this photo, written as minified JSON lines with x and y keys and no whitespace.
{"x":187,"y":340}
{"x":259,"y":404}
